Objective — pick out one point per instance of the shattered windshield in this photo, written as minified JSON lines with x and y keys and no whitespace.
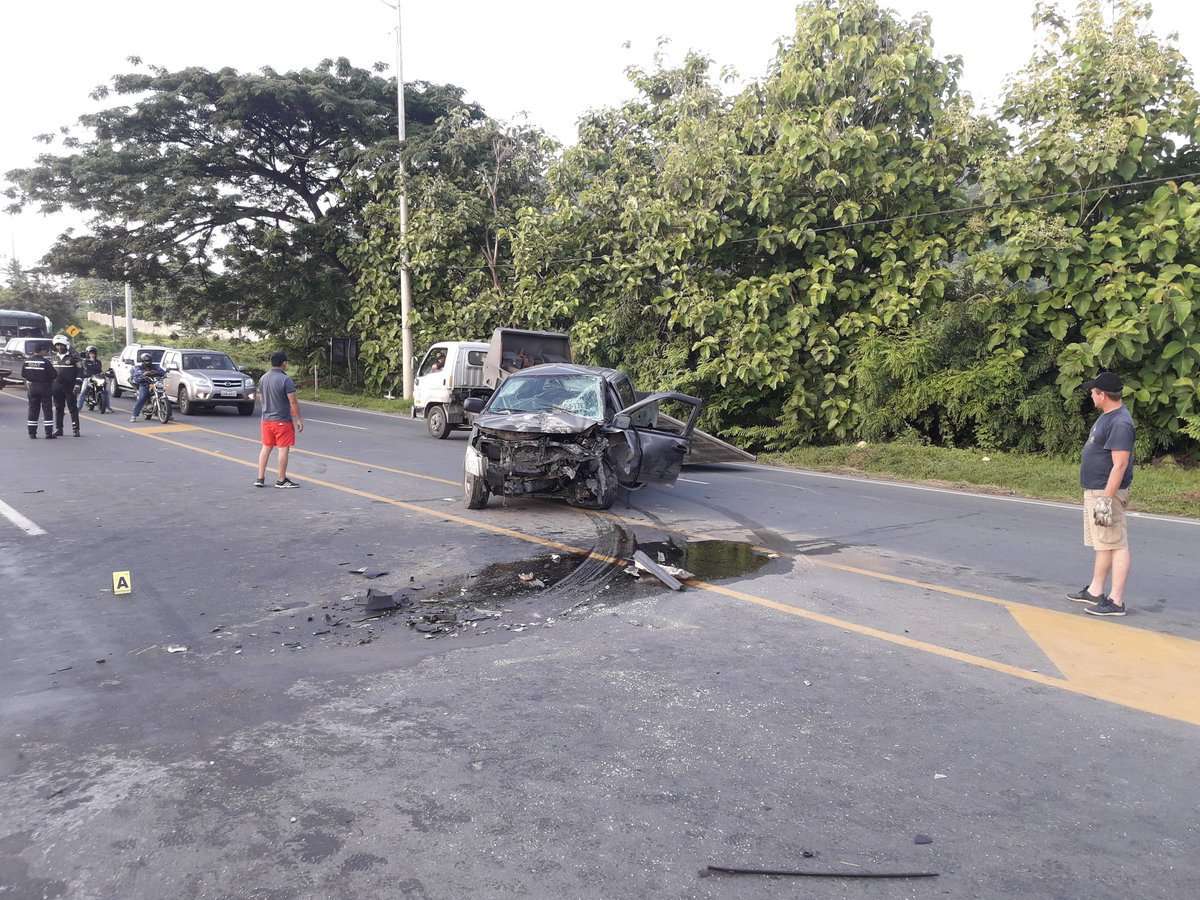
{"x":581,"y":395}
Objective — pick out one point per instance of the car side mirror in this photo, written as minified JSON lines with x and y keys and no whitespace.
{"x":473,"y":404}
{"x":622,"y":421}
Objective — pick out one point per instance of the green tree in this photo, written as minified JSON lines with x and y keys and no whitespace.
{"x":30,"y":290}
{"x":465,"y":193}
{"x":742,"y":249}
{"x":236,"y":190}
{"x":1106,"y":277}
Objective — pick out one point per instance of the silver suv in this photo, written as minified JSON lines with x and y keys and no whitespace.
{"x":207,"y":378}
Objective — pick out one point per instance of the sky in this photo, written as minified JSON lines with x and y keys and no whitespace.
{"x":549,"y":59}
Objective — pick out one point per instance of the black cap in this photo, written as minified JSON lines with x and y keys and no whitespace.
{"x":278,"y":358}
{"x":1109,"y":382}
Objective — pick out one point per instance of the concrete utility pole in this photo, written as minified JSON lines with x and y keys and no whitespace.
{"x":406,"y":345}
{"x":128,"y":313}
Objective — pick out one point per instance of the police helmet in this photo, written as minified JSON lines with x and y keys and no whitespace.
{"x":145,"y":358}
{"x":61,"y":339}
{"x":91,"y":348}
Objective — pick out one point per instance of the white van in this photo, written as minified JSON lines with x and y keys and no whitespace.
{"x":450,"y":372}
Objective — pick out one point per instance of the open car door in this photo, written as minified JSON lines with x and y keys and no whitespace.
{"x":655,"y":443}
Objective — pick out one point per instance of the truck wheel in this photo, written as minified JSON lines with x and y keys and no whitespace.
{"x":437,"y":422}
{"x":475,"y":491}
{"x":113,"y":388}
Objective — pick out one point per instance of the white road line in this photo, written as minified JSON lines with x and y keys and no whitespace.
{"x":338,"y":424}
{"x":1074,"y":507}
{"x":28,"y":526}
{"x":694,"y":481}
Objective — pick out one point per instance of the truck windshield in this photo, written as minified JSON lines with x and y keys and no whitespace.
{"x":581,"y":395}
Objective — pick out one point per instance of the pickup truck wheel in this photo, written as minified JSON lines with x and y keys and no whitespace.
{"x":437,"y":422}
{"x":475,"y":491}
{"x":113,"y":388}
{"x":245,"y":409}
{"x":185,"y":402}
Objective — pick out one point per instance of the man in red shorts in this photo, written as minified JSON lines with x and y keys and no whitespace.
{"x":280,"y":419}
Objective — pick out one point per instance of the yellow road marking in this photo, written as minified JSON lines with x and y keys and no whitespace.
{"x":1101,"y":678}
{"x":164,"y":429}
{"x":1148,"y":670}
{"x":341,"y":459}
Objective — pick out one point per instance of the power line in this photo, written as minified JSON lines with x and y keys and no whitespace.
{"x":952,"y":211}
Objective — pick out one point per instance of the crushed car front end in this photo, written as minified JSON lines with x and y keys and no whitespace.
{"x":543,"y":455}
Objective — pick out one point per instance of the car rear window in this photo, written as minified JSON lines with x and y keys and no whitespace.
{"x":34,"y":346}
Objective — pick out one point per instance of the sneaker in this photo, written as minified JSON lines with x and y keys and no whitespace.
{"x":1107,"y":608}
{"x":133,"y":418}
{"x":1082,"y":596}
{"x":58,"y":432}
{"x":50,"y":435}
{"x":258,"y":482}
{"x":286,"y":483}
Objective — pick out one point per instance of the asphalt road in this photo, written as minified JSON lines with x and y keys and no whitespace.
{"x":891,"y":661}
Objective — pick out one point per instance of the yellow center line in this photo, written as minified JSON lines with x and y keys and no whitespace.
{"x":1108,"y":689}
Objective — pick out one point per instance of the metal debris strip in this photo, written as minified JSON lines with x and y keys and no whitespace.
{"x":802,"y":873}
{"x":644,"y":562}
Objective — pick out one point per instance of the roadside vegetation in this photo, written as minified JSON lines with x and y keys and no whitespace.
{"x":1168,"y":486}
{"x":305,"y":391}
{"x":848,"y":248}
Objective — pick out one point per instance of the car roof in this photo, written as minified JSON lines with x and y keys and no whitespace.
{"x":197,"y":350}
{"x":569,"y":369}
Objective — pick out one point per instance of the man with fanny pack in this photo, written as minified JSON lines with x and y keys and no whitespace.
{"x":1106,"y":472}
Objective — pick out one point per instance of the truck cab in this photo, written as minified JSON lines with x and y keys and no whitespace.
{"x":449,"y":373}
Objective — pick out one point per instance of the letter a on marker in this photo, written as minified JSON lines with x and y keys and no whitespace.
{"x":122,"y":583}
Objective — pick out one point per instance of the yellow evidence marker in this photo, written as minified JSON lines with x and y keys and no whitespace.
{"x":122,"y":583}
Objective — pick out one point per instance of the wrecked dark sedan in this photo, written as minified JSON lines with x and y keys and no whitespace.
{"x":574,"y":432}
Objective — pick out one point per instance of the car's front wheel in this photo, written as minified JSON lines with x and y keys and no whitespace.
{"x":185,"y":402}
{"x":475,"y":491}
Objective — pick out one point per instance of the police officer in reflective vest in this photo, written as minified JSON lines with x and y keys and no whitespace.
{"x":38,"y":373}
{"x":66,"y":372}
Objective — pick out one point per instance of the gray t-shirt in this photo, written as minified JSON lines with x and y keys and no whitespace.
{"x":1112,"y":431}
{"x":274,"y":388}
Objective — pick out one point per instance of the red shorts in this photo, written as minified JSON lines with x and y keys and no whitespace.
{"x":278,"y":434}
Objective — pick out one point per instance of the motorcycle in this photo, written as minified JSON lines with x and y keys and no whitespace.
{"x":157,"y":405}
{"x":93,"y":393}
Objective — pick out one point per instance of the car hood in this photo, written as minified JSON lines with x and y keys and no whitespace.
{"x":530,"y":423}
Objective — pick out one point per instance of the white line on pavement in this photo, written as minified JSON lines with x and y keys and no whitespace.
{"x":338,"y":424}
{"x":694,"y":481}
{"x":28,"y":526}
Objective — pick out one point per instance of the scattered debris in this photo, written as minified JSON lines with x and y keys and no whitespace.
{"x":38,"y":491}
{"x":63,"y":669}
{"x":360,"y":571}
{"x":937,"y":775}
{"x":642,"y":561}
{"x":101,"y":661}
{"x":378,"y":601}
{"x":175,"y":648}
{"x":373,"y":573}
{"x":922,"y":839}
{"x":801,"y":873}
{"x":292,"y":645}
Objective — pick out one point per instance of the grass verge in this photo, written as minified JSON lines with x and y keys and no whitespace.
{"x":1160,"y":487}
{"x":358,"y":401}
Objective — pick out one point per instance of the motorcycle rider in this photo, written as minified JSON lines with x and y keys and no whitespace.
{"x":145,"y":373}
{"x":38,"y":373}
{"x":66,"y":373}
{"x":93,"y":367}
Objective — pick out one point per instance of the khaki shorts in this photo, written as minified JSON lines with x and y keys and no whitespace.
{"x":1116,"y":535}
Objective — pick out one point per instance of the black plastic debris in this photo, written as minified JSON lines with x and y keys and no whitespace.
{"x":373,"y":573}
{"x":804,"y":873}
{"x":922,"y":839}
{"x":378,"y":601}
